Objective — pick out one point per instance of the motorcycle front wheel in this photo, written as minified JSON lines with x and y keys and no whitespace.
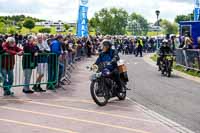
{"x":100,"y":97}
{"x":169,"y":67}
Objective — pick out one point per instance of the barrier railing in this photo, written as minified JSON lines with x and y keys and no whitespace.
{"x":29,"y":69}
{"x":189,"y":58}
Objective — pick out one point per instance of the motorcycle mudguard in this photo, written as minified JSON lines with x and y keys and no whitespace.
{"x":124,"y":76}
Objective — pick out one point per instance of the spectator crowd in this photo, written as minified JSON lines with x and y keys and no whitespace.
{"x":52,"y":54}
{"x":44,"y":53}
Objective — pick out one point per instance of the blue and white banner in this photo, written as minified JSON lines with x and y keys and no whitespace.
{"x":82,"y":24}
{"x":197,"y":10}
{"x":196,"y":14}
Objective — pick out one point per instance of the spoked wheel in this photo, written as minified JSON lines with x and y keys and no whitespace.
{"x":98,"y":94}
{"x":169,"y":74}
{"x":162,"y":70}
{"x":169,"y":69}
{"x":121,"y":96}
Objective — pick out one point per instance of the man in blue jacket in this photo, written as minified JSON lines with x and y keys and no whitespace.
{"x":110,"y":55}
{"x":56,"y":45}
{"x":56,"y":48}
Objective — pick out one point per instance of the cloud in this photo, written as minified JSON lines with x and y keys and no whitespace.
{"x":67,"y":10}
{"x":19,"y":6}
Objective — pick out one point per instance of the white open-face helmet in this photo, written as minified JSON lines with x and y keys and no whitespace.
{"x":10,"y":40}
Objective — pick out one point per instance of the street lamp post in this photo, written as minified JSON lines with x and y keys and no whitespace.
{"x":157,"y":14}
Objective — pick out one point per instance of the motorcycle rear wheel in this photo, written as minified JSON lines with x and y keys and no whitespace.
{"x":169,"y":74}
{"x":121,"y":96}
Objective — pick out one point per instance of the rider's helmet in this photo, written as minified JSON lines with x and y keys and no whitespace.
{"x":107,"y":43}
{"x":165,"y":42}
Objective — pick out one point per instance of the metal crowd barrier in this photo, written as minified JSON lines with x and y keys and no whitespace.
{"x":189,"y":58}
{"x":24,"y":70}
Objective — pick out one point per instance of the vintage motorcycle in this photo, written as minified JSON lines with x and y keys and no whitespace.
{"x":166,"y":65}
{"x":103,"y":87}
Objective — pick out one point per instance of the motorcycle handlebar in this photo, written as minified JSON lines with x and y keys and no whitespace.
{"x":104,"y":64}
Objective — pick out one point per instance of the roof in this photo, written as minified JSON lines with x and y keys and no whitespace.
{"x":189,"y":22}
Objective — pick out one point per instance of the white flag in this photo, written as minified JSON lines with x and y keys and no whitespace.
{"x":84,"y":3}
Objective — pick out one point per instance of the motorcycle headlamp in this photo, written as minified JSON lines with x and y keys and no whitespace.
{"x":106,"y":72}
{"x":94,"y":68}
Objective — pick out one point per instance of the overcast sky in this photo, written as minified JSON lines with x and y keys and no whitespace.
{"x":67,"y":10}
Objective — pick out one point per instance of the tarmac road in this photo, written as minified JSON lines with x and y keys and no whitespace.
{"x":175,"y":98}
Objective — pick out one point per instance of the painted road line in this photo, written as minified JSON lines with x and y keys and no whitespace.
{"x":69,"y":100}
{"x":37,"y":126}
{"x":18,"y":100}
{"x":92,"y":103}
{"x":76,"y":119}
{"x":92,"y":111}
{"x":73,"y":100}
{"x":165,"y":121}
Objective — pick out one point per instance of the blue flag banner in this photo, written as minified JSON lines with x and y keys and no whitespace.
{"x":196,"y":14}
{"x":197,"y":10}
{"x":82,"y":24}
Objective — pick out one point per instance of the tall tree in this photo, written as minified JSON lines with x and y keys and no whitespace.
{"x":29,"y":24}
{"x":168,"y":27}
{"x":138,"y":24}
{"x":112,"y":22}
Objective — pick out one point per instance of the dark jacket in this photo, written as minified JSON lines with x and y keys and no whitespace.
{"x":29,"y":60}
{"x":8,"y":58}
{"x":1,"y":46}
{"x":165,"y":50}
{"x":110,"y":56}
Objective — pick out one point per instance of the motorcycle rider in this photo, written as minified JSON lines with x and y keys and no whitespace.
{"x":110,"y":55}
{"x":164,"y":49}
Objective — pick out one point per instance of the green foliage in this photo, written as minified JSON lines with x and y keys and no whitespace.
{"x":184,"y":18}
{"x":153,"y":33}
{"x":19,"y":26}
{"x":45,"y":30}
{"x":66,"y":26}
{"x":92,"y":23}
{"x":115,"y":22}
{"x":154,"y":57}
{"x":189,"y":72}
{"x":29,"y":24}
{"x":169,"y":28}
{"x":2,"y":20}
{"x":138,"y":24}
{"x":10,"y":20}
{"x":2,"y":28}
{"x":12,"y":30}
{"x":110,"y":21}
